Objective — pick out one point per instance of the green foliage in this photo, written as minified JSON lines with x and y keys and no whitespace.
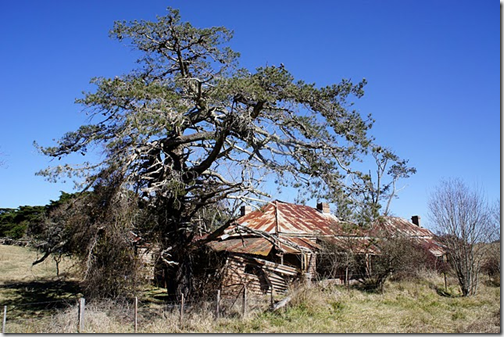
{"x":7,"y":216}
{"x":369,"y":195}
{"x":171,"y":124}
{"x":15,"y":222}
{"x":189,"y":130}
{"x":75,"y":225}
{"x":27,"y":220}
{"x":94,"y":227}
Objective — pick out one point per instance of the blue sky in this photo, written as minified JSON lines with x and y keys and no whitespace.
{"x":433,"y":72}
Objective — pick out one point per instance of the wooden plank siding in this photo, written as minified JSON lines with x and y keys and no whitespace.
{"x":258,"y":275}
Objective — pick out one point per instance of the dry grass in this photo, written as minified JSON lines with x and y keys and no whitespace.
{"x":31,"y":292}
{"x":405,"y":307}
{"x":17,"y":266}
{"x":418,"y":306}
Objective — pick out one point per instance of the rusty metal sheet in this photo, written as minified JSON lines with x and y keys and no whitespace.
{"x":300,"y":224}
{"x":396,"y":225}
{"x":288,"y":249}
{"x":280,"y":217}
{"x":277,"y":267}
{"x":263,"y":219}
{"x":304,"y":242}
{"x":434,"y":247}
{"x":254,"y":246}
{"x":304,"y":219}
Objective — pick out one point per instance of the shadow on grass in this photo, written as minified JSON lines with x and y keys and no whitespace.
{"x":446,"y":293}
{"x":39,"y":298}
{"x":493,"y":282}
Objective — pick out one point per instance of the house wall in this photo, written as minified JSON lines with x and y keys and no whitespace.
{"x":259,"y":278}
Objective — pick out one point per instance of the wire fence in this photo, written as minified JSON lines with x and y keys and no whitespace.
{"x":77,"y":315}
{"x":73,"y":314}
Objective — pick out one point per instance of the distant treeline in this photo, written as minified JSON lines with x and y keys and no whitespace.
{"x":23,"y":221}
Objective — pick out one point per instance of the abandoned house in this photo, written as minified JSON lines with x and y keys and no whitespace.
{"x":269,"y":248}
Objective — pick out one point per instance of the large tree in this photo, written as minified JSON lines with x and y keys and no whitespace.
{"x":188,"y":128}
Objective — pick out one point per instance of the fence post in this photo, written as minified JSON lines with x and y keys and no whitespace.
{"x":82,"y":305}
{"x":346,"y":278}
{"x":181,"y":308}
{"x":272,"y":299}
{"x":136,"y":314}
{"x":244,"y":308}
{"x":217,"y":306}
{"x":4,"y":322}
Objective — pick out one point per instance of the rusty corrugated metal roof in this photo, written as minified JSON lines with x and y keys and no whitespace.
{"x":395,"y":225}
{"x":279,"y":217}
{"x":254,"y":246}
{"x":293,"y":228}
{"x":303,"y":242}
{"x":433,"y":246}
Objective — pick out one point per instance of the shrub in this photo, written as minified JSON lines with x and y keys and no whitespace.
{"x":398,"y":256}
{"x":491,"y":265}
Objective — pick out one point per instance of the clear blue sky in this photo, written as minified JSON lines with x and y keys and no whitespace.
{"x":433,"y":69}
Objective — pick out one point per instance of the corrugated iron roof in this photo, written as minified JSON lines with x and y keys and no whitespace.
{"x":279,"y":217}
{"x":396,"y":225}
{"x":434,"y":247}
{"x":303,"y":242}
{"x":254,"y":246}
{"x":293,"y":228}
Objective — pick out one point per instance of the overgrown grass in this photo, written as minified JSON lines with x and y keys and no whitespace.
{"x":417,"y":306}
{"x":34,"y":291}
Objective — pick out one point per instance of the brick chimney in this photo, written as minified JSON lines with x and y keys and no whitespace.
{"x":244,"y":210}
{"x":323,"y":207}
{"x":416,"y":220}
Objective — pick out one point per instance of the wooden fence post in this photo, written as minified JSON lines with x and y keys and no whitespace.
{"x":136,"y":314}
{"x":346,"y":278}
{"x":217,"y":306}
{"x":4,"y":322}
{"x":181,"y":308}
{"x":272,"y":298}
{"x":82,"y":305}
{"x":244,"y":307}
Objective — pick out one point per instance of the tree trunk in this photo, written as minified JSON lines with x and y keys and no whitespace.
{"x":184,"y":277}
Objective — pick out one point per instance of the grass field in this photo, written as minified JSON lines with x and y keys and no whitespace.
{"x":17,"y":266}
{"x":34,"y":291}
{"x":417,"y":306}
